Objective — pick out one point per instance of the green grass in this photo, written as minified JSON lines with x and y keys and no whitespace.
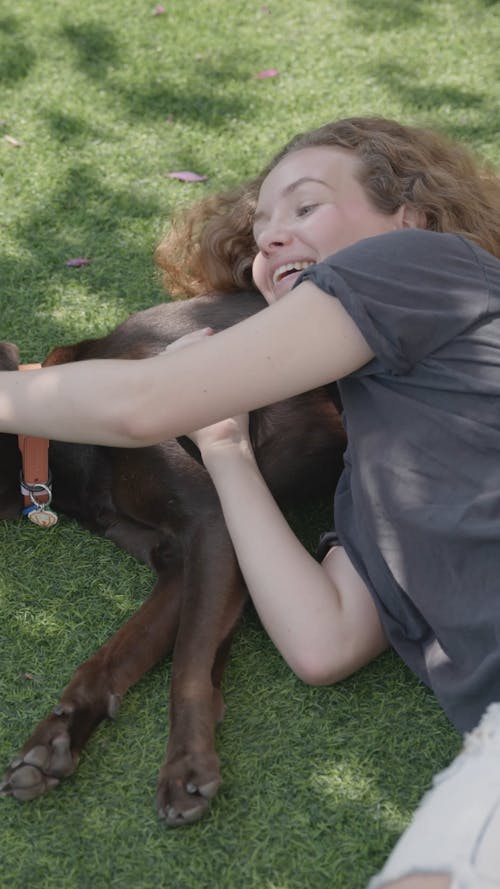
{"x":105,"y":99}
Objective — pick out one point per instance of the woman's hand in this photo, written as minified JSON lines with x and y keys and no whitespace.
{"x":232,"y":432}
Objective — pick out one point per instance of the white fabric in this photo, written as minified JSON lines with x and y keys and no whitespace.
{"x":456,"y":829}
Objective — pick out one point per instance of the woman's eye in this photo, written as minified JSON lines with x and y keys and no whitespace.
{"x":306,"y":209}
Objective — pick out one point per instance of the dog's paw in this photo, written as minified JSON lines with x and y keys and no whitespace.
{"x":186,"y":786}
{"x":44,"y":760}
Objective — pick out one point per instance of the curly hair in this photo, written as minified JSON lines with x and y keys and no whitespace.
{"x":211,"y":246}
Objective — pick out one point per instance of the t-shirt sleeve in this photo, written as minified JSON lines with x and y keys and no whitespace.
{"x":409,"y":291}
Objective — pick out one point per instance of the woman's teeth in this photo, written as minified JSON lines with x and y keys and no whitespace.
{"x":284,"y":270}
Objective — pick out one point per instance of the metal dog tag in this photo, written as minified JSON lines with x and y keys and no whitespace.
{"x":44,"y":518}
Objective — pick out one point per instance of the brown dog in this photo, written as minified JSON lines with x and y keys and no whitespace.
{"x":159,"y":504}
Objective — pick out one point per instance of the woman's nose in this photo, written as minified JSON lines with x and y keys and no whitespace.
{"x":272,"y":237}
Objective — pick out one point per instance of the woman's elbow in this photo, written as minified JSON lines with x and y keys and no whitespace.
{"x":132,"y":425}
{"x":316,"y":669}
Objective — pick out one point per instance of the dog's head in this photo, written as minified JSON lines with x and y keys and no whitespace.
{"x":11,"y":500}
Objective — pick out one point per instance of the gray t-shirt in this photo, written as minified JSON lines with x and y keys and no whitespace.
{"x":418,"y":505}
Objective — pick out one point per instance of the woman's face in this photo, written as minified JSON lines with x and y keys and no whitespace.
{"x":311,"y":205}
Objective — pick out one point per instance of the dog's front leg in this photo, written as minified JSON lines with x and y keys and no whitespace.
{"x":53,"y":750}
{"x":214,"y":598}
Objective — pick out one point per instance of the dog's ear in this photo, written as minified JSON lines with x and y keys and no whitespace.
{"x":9,"y":356}
{"x":61,"y":355}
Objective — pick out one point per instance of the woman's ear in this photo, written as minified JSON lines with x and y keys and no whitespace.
{"x":412,"y":218}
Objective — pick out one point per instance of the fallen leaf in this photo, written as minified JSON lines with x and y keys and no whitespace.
{"x":269,"y":72}
{"x":14,"y":142}
{"x":159,"y":10}
{"x":77,"y":262}
{"x":186,"y":176}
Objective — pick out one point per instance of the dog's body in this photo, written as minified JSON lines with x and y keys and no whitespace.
{"x":159,"y":504}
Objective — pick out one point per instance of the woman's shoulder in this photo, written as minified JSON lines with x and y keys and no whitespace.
{"x":418,"y":258}
{"x":426,"y":248}
{"x":415,"y":244}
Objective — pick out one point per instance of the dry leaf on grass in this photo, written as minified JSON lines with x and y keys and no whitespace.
{"x":77,"y":262}
{"x":186,"y":176}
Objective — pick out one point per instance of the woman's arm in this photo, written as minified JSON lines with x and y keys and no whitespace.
{"x":320,"y":617}
{"x":305,"y":340}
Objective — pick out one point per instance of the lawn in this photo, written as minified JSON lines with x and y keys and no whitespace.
{"x":99,"y":101}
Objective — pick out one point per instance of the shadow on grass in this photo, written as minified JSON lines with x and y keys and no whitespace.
{"x":82,"y":217}
{"x":16,"y":56}
{"x":420,"y":98}
{"x":202,"y":106}
{"x":68,"y":128}
{"x":95,"y":46}
{"x":98,"y":53}
{"x":387,"y":15}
